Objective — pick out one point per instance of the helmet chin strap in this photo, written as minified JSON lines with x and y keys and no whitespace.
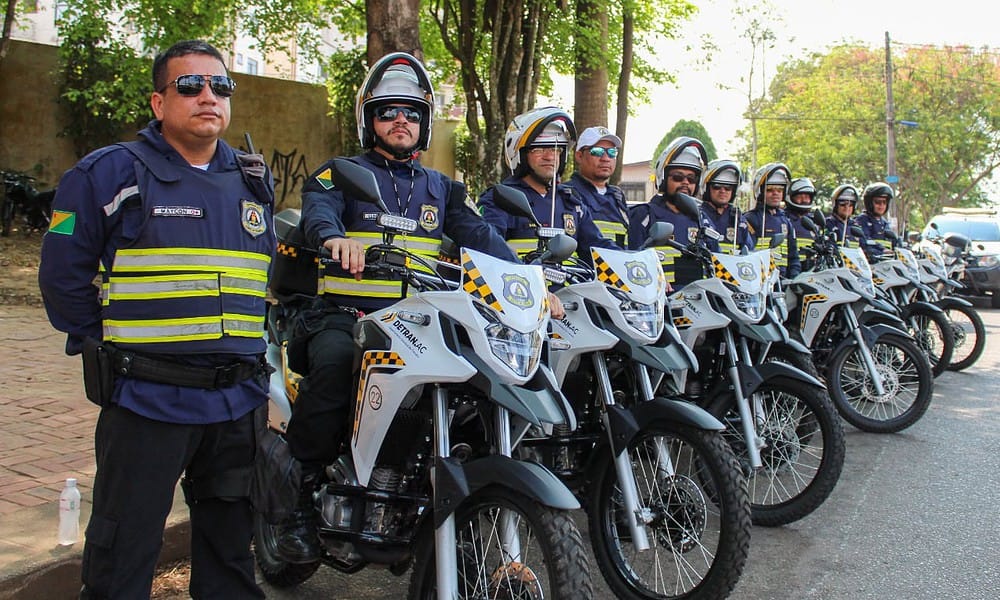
{"x":397,"y":154}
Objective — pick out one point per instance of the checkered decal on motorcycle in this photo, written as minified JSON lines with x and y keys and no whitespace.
{"x":476,"y":286}
{"x":806,"y":301}
{"x":289,"y":251}
{"x":722,"y":273}
{"x":682,"y":322}
{"x":372,"y":359}
{"x":606,"y":275}
{"x":850,"y":264}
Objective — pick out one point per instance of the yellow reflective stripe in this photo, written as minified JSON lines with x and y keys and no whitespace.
{"x":522,"y":246}
{"x":763,"y":243}
{"x":884,"y":243}
{"x":348,"y":286}
{"x":239,"y":325}
{"x":206,"y":259}
{"x":162,"y":286}
{"x":611,"y":228}
{"x":250,"y":286}
{"x":141,"y":331}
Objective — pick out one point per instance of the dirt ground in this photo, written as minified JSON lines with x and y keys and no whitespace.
{"x":19,"y":256}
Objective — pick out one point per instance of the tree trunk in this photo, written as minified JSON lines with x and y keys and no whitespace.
{"x":393,"y":27}
{"x":591,"y":83}
{"x":621,"y":116}
{"x":8,"y":25}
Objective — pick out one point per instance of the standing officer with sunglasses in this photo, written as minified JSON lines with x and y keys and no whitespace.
{"x":596,"y":156}
{"x":394,"y":110}
{"x":178,"y":226}
{"x":677,"y":171}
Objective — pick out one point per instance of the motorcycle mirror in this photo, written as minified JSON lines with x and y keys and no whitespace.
{"x":514,"y":202}
{"x":688,"y":205}
{"x":659,"y":233}
{"x":891,"y":235}
{"x":559,"y":248}
{"x":777,"y":240}
{"x":957,"y":240}
{"x":818,"y":219}
{"x":810,"y":225}
{"x":356,"y":181}
{"x":857,"y":231}
{"x":914,"y":237}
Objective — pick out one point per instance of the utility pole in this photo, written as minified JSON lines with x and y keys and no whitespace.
{"x":890,"y":144}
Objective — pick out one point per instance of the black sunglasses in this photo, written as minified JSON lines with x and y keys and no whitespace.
{"x":681,"y":178}
{"x":191,"y":85}
{"x":598,"y":151}
{"x":723,"y":186}
{"x":389,"y":113}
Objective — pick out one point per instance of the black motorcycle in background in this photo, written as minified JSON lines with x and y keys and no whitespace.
{"x":23,"y":205}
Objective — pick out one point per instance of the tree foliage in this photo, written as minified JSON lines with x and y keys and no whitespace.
{"x":687,"y":128}
{"x":105,"y":82}
{"x":825,"y":117}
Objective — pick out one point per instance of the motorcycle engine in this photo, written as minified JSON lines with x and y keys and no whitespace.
{"x":336,"y":511}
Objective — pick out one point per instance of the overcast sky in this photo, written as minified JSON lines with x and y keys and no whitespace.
{"x":808,"y":25}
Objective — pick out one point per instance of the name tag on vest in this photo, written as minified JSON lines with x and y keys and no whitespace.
{"x":178,"y":211}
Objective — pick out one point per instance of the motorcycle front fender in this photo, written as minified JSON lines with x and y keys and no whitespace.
{"x":752,"y":377}
{"x":951,"y":302}
{"x":870,"y":333}
{"x":626,"y":423}
{"x":918,"y":306}
{"x":873,"y":316}
{"x":528,"y":478}
{"x":795,"y":346}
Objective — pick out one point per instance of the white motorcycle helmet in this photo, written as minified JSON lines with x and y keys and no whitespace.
{"x":686,"y":152}
{"x":545,"y":126}
{"x":770,"y":174}
{"x":397,"y":77}
{"x":801,"y":185}
{"x":721,"y":171}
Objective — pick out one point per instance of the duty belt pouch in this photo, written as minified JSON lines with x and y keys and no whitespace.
{"x":98,"y":372}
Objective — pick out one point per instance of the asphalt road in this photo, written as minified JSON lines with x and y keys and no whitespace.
{"x":914,"y":515}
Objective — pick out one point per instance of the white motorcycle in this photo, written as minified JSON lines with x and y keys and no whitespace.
{"x":666,"y":502}
{"x":878,"y":378}
{"x":449,"y":381}
{"x":779,"y":419}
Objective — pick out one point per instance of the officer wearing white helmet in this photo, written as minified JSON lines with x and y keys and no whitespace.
{"x":770,"y":187}
{"x":394,"y":110}
{"x":535,"y":145}
{"x":720,"y":182}
{"x":874,"y":220}
{"x":845,"y":200}
{"x":801,"y":200}
{"x":677,"y":171}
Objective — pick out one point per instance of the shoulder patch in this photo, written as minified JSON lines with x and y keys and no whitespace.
{"x":325,"y":179}
{"x":63,"y":222}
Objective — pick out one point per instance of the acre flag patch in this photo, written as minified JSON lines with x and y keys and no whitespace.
{"x":63,"y":222}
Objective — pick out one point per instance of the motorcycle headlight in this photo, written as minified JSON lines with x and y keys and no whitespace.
{"x":519,"y":351}
{"x":647,"y":319}
{"x":752,"y":305}
{"x":988,"y":261}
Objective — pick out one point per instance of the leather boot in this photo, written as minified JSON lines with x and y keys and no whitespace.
{"x":297,"y":539}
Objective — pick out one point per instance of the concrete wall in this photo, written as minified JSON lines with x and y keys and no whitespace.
{"x":287,"y":120}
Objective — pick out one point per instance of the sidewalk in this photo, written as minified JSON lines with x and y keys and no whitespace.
{"x":46,"y":436}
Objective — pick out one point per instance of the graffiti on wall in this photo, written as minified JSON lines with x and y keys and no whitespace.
{"x":290,"y":172}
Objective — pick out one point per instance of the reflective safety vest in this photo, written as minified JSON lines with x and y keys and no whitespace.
{"x":425,"y":200}
{"x":191,"y":276}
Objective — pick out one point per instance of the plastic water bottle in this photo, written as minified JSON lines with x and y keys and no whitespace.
{"x":69,"y":514}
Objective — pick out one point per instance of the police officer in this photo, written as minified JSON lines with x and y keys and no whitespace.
{"x":801,"y":196}
{"x":395,"y":110}
{"x":677,"y":171}
{"x":874,"y":222}
{"x":770,"y":185}
{"x":840,"y":221}
{"x":596,"y":156}
{"x":720,"y":182}
{"x":535,"y":146}
{"x":178,"y":225}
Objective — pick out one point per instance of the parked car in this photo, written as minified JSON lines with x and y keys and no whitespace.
{"x":982,"y":226}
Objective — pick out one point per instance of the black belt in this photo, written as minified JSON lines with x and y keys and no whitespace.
{"x":129,"y":364}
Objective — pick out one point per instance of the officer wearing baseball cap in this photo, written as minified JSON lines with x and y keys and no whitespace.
{"x":596,"y":156}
